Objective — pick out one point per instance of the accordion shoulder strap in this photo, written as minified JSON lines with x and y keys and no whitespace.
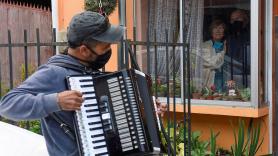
{"x":65,"y":127}
{"x":83,"y":70}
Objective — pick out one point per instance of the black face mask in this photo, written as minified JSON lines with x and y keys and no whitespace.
{"x":101,"y":60}
{"x":237,"y":26}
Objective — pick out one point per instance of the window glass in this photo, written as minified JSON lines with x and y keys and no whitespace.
{"x":226,"y":50}
{"x":219,"y":44}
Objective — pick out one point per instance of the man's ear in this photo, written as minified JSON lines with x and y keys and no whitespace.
{"x":84,"y":51}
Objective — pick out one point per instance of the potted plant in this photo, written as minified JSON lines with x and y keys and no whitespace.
{"x":195,"y":93}
{"x":232,"y":93}
{"x":245,"y":94}
{"x":209,"y":93}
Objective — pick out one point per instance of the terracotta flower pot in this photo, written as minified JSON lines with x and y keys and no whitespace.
{"x":210,"y":98}
{"x":196,"y":95}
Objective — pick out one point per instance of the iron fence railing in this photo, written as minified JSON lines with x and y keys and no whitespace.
{"x":11,"y":55}
{"x":170,"y":120}
{"x":129,"y":52}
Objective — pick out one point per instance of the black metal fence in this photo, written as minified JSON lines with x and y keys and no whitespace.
{"x":174,"y":127}
{"x":181,"y":127}
{"x":7,"y":79}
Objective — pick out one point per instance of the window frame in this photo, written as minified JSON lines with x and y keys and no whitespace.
{"x":254,"y":73}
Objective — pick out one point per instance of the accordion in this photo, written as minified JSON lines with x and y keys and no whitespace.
{"x":117,"y":116}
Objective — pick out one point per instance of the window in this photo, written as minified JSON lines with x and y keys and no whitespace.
{"x":225,"y":46}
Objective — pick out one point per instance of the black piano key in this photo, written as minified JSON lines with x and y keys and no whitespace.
{"x":98,"y":135}
{"x":92,"y":110}
{"x":100,"y":154}
{"x":88,"y":98}
{"x":97,"y":141}
{"x":90,"y":105}
{"x":101,"y":146}
{"x":92,"y":92}
{"x":85,"y":86}
{"x":91,"y":116}
{"x":86,"y":80}
{"x":95,"y":128}
{"x":92,"y":123}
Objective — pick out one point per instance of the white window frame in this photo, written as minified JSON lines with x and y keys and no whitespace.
{"x":254,"y":42}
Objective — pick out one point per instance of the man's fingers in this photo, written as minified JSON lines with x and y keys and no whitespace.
{"x":77,"y":93}
{"x":79,"y":100}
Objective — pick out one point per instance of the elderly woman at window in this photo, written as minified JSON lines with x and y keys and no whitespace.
{"x":213,"y":52}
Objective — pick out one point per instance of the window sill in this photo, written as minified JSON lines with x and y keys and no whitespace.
{"x":214,"y":107}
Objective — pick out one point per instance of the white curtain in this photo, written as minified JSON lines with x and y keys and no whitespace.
{"x":164,"y":15}
{"x":194,"y":20}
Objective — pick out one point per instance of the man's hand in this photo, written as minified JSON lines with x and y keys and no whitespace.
{"x":161,"y":107}
{"x":70,"y":100}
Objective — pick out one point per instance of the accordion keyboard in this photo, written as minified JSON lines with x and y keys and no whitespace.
{"x":89,"y":118}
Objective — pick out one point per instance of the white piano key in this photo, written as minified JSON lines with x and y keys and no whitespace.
{"x":89,"y":95}
{"x":100,"y":150}
{"x":92,"y":113}
{"x":86,"y":83}
{"x":96,"y":125}
{"x":99,"y":143}
{"x":96,"y":132}
{"x":87,"y":89}
{"x":91,"y":108}
{"x":90,"y":101}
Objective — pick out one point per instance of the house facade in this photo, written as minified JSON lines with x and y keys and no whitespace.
{"x":255,"y":73}
{"x":259,"y":76}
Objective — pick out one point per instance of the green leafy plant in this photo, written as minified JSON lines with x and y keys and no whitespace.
{"x":33,"y":126}
{"x":245,"y":94}
{"x":108,"y":6}
{"x":238,"y":148}
{"x":198,"y":147}
{"x":252,"y":144}
{"x":223,"y":152}
{"x":213,"y":137}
